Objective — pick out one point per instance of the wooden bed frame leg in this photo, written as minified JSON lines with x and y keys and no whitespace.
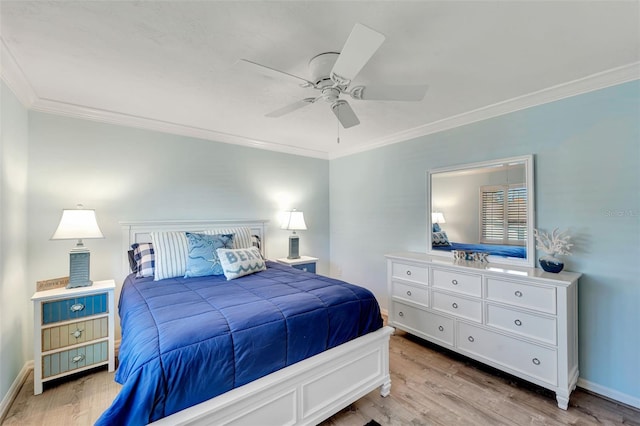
{"x":385,"y":389}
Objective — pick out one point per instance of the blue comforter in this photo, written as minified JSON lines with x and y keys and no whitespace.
{"x":188,"y":340}
{"x":494,"y":249}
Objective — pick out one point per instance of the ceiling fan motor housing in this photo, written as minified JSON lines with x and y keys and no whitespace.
{"x":320,"y":67}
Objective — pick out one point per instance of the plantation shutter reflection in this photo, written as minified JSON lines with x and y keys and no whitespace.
{"x":503,"y":214}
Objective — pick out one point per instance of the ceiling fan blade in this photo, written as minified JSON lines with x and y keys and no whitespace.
{"x":345,"y":114}
{"x":290,"y":108}
{"x":271,"y":72}
{"x":359,"y":48}
{"x":390,"y":92}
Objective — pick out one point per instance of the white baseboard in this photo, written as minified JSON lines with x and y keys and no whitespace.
{"x":12,"y":393}
{"x":609,"y":393}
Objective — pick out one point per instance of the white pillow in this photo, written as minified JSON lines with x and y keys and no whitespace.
{"x":238,"y":262}
{"x":171,"y":251}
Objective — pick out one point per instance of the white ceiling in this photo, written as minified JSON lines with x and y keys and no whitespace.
{"x":169,"y":65}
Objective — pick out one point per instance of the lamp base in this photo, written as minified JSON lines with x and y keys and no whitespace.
{"x":294,"y":247}
{"x":79,"y":260}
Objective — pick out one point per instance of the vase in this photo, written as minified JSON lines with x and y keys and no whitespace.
{"x":551,"y":264}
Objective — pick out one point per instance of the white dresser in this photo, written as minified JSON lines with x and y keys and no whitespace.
{"x":520,"y":320}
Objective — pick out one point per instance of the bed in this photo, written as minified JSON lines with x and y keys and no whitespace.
{"x":519,"y":252}
{"x":276,"y":346}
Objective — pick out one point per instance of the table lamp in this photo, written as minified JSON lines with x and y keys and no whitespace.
{"x":294,"y":221}
{"x":78,"y":224}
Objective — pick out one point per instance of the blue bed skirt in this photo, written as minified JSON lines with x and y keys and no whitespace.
{"x":185,"y":341}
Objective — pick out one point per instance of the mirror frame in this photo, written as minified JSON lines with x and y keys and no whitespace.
{"x":529,"y":261}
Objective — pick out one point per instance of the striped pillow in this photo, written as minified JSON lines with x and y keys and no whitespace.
{"x":171,"y":250}
{"x":241,"y":239}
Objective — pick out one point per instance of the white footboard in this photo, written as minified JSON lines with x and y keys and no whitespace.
{"x":304,"y":393}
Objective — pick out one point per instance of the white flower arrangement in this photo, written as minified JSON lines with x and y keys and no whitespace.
{"x":555,"y":244}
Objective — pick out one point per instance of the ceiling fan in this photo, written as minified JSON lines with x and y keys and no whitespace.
{"x":332,"y":74}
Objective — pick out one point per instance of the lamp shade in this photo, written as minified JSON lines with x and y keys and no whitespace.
{"x":293,"y":220}
{"x":437,"y":218}
{"x":77,"y":224}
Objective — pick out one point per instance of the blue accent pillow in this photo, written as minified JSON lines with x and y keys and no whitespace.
{"x":202,"y":258}
{"x":436,"y":228}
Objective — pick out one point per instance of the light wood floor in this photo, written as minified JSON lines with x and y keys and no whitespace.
{"x":429,"y":387}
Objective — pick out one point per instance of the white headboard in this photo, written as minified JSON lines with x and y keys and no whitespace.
{"x":140,"y":232}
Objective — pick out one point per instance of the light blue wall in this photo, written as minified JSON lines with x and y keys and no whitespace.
{"x":129,"y":174}
{"x":587,"y":176}
{"x":15,"y":308}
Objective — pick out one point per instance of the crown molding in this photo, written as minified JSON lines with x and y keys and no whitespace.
{"x":111,"y":117}
{"x":14,"y":77}
{"x":580,"y":86}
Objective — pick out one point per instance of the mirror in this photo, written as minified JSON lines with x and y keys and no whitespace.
{"x":483,"y":207}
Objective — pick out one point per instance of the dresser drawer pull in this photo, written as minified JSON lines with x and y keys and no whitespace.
{"x":455,"y":305}
{"x":454,"y":282}
{"x":441,"y":328}
{"x":76,"y":359}
{"x":518,"y":293}
{"x":409,"y":273}
{"x":536,"y":361}
{"x":471,"y":339}
{"x":518,"y":322}
{"x":76,"y":307}
{"x":77,"y":333}
{"x":401,"y":314}
{"x":408,"y":293}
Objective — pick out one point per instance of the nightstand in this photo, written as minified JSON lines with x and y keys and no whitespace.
{"x":73,"y":331}
{"x":304,"y":263}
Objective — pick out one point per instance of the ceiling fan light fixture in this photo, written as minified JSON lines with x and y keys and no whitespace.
{"x":320,"y":67}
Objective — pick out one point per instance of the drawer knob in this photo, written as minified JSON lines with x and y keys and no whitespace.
{"x":455,"y":305}
{"x":401,"y":313}
{"x":76,"y":307}
{"x":76,"y":359}
{"x":441,"y":328}
{"x":471,"y":339}
{"x":518,"y":293}
{"x":408,"y":272}
{"x":77,"y":333}
{"x":408,"y":293}
{"x":454,"y":282}
{"x":536,"y":361}
{"x":518,"y":322}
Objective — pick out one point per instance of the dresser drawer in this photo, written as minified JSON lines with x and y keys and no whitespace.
{"x":455,"y":281}
{"x":532,"y":360}
{"x":458,"y":306}
{"x":410,"y":272}
{"x":74,"y":333}
{"x":408,"y":292}
{"x":533,"y":297}
{"x":74,"y":359}
{"x":425,"y":323}
{"x":525,"y":324}
{"x":74,"y":308}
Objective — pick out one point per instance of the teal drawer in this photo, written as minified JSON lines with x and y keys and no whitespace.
{"x":308,"y":267}
{"x":73,"y":359}
{"x":77,"y":307}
